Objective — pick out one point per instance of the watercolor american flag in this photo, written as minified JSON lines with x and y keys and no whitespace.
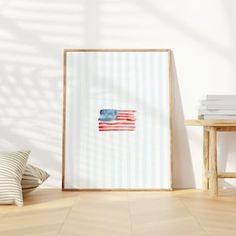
{"x":117,"y":120}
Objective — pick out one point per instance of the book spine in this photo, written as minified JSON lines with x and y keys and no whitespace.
{"x":218,"y":106}
{"x":219,"y":117}
{"x":221,"y":97}
{"x":216,"y":112}
{"x":219,"y":102}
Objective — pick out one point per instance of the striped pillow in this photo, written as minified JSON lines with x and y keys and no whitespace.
{"x":32,"y":178}
{"x":12,"y":166}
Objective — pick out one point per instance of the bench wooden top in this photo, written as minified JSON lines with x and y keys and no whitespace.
{"x":210,"y":122}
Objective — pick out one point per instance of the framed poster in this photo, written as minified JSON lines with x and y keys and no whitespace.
{"x":117,"y":119}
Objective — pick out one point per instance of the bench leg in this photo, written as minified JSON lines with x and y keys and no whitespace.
{"x":213,"y":178}
{"x":205,"y":177}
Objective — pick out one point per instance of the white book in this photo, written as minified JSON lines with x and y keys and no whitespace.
{"x":218,"y":102}
{"x":218,"y":105}
{"x":221,"y":97}
{"x":223,"y":107}
{"x":205,"y":111}
{"x":219,"y":117}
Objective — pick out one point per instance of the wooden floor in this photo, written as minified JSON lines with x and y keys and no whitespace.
{"x":182,"y":212}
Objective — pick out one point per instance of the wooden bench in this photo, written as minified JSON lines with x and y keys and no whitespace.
{"x":210,"y":173}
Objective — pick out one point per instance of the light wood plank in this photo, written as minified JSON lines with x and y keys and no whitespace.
{"x":161,"y":214}
{"x":217,"y":217}
{"x":227,"y":175}
{"x":226,"y":129}
{"x":182,"y":212}
{"x":213,"y":180}
{"x":205,"y":159}
{"x":210,"y":122}
{"x":99,"y":213}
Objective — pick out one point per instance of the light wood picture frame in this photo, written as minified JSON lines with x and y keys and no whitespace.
{"x":117,"y":119}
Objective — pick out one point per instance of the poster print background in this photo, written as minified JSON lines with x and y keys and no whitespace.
{"x":117,"y":80}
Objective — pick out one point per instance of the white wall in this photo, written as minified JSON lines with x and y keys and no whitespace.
{"x":33,"y":33}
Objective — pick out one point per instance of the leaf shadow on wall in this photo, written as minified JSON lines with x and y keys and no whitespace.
{"x":30,"y":97}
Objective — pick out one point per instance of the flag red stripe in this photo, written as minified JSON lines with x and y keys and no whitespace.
{"x":116,"y":126}
{"x":118,"y":123}
{"x":116,"y":129}
{"x":125,"y":113}
{"x":125,"y":118}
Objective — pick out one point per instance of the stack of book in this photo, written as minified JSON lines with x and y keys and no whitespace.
{"x":218,"y":107}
